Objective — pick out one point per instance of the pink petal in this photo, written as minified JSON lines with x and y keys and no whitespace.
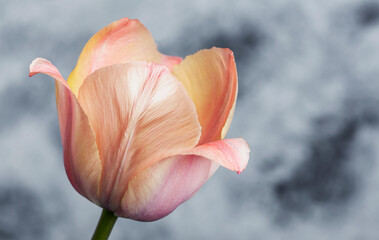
{"x":160,"y":189}
{"x":81,"y":157}
{"x":122,"y":41}
{"x":232,"y":154}
{"x":210,"y":78}
{"x":140,"y":114}
{"x":170,"y":61}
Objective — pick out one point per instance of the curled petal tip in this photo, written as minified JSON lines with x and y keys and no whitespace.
{"x":34,"y":66}
{"x":41,"y":65}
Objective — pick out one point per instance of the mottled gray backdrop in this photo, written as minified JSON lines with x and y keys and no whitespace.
{"x":308,"y":105}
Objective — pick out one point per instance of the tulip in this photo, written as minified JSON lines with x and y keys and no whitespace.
{"x":142,"y":131}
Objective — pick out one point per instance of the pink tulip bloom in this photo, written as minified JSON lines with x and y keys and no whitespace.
{"x":142,"y":131}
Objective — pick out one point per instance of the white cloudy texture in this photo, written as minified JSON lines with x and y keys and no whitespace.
{"x":308,"y":106}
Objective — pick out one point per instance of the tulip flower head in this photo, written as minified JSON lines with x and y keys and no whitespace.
{"x":142,"y":131}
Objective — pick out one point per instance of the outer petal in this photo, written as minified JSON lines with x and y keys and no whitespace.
{"x":122,"y":41}
{"x":210,"y":78}
{"x":160,"y":189}
{"x":140,"y":114}
{"x":81,"y":157}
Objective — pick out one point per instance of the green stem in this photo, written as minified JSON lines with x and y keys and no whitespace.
{"x":104,"y":226}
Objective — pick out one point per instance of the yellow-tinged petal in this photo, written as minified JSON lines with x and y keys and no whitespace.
{"x":228,"y":122}
{"x":210,"y":78}
{"x":123,"y":41}
{"x":140,"y":114}
{"x":81,"y":157}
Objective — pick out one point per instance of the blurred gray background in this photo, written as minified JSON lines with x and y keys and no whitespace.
{"x":308,"y":105}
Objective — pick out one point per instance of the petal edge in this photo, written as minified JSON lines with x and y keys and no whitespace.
{"x":232,"y":154}
{"x":81,"y":158}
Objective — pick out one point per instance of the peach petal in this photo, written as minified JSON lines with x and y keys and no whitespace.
{"x":140,"y":114}
{"x":81,"y":157}
{"x":210,"y":78}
